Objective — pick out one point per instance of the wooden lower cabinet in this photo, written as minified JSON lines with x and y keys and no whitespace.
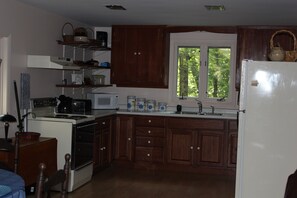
{"x":173,"y":143}
{"x":103,"y":143}
{"x":196,"y":147}
{"x":124,"y":138}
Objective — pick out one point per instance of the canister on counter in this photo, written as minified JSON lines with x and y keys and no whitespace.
{"x":140,"y":104}
{"x":131,"y":103}
{"x":162,"y":106}
{"x":150,"y":105}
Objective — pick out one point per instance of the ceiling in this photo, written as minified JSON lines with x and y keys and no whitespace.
{"x":174,"y":12}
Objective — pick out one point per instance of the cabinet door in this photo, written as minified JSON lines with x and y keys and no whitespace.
{"x":232,"y":149}
{"x":105,"y":154}
{"x":96,"y":153}
{"x":151,"y":50}
{"x":138,"y":56}
{"x":210,"y":148}
{"x":102,"y":143}
{"x":180,"y":146}
{"x":124,"y":138}
{"x":232,"y":143}
{"x":123,"y":57}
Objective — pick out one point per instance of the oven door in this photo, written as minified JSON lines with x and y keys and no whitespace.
{"x":82,"y":144}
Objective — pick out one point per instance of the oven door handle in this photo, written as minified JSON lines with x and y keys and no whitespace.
{"x":92,"y":124}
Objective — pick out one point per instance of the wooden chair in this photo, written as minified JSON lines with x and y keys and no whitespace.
{"x":44,"y":184}
{"x":291,"y":186}
{"x":8,"y":147}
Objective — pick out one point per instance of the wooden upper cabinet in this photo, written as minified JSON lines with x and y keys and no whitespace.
{"x":253,"y":43}
{"x":139,"y":56}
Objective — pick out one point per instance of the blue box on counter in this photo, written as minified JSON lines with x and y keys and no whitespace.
{"x":105,"y":64}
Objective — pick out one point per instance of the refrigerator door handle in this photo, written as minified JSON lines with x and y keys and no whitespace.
{"x":239,"y":111}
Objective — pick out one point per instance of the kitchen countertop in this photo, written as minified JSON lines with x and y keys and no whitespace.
{"x":102,"y":113}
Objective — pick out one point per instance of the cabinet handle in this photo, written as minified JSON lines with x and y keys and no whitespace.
{"x":148,"y":141}
{"x":198,"y":148}
{"x":101,"y":149}
{"x":103,"y":123}
{"x":149,"y":121}
{"x":135,"y":53}
{"x":139,"y":53}
{"x":149,"y":131}
{"x":129,"y":139}
{"x":148,"y":154}
{"x":191,"y":147}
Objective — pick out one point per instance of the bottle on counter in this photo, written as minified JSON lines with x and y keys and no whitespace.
{"x":131,"y":103}
{"x":151,"y":105}
{"x":162,"y":106}
{"x":140,"y":104}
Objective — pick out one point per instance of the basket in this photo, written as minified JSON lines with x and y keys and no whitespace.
{"x":290,"y":56}
{"x":69,"y":37}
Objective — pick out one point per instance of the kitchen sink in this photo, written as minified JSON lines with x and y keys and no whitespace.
{"x":213,"y":114}
{"x":196,"y":113}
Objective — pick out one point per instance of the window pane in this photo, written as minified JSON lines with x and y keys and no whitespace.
{"x":218,"y":72}
{"x":188,"y":67}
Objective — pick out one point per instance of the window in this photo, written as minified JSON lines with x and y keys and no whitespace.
{"x":203,"y":67}
{"x":4,"y":74}
{"x":1,"y":89}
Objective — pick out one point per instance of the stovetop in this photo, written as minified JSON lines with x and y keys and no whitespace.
{"x":69,"y":118}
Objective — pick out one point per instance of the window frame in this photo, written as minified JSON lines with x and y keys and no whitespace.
{"x":202,"y":40}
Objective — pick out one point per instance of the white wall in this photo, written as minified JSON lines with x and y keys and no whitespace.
{"x":32,"y":31}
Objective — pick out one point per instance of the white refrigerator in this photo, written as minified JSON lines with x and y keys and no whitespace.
{"x":267,"y":135}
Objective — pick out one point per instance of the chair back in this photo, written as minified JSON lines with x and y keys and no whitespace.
{"x":8,"y":147}
{"x":291,"y":186}
{"x":44,"y":184}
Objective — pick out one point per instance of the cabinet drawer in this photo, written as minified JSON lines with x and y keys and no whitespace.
{"x":211,"y":124}
{"x":149,"y":121}
{"x":150,"y":141}
{"x":103,"y":123}
{"x":150,"y":131}
{"x":149,"y":154}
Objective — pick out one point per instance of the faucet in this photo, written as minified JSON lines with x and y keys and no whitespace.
{"x":212,"y":109}
{"x":199,"y":106}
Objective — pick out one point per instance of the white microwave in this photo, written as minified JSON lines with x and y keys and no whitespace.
{"x":103,"y":100}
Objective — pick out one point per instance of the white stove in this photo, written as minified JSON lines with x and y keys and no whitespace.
{"x":74,"y":133}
